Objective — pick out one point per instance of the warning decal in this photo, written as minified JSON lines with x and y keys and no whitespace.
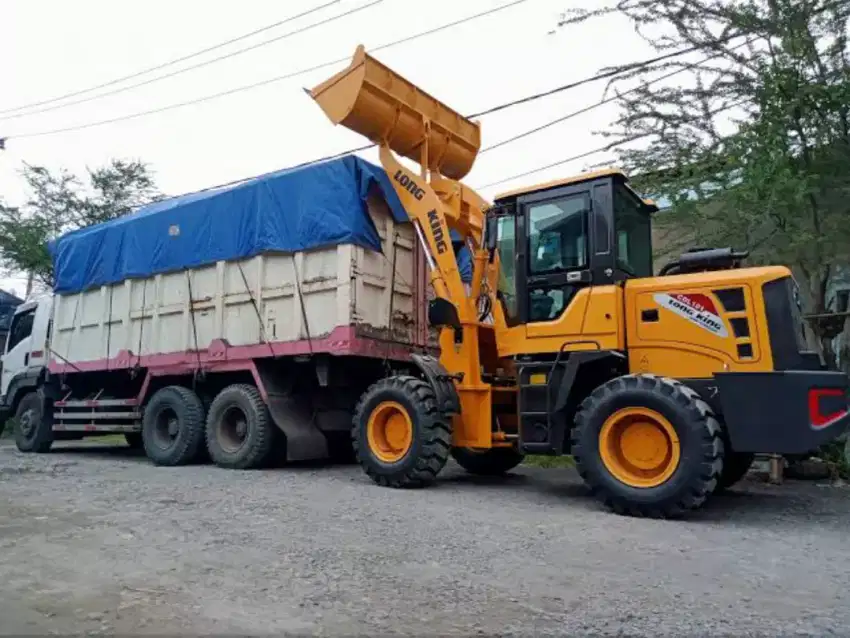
{"x":697,"y":308}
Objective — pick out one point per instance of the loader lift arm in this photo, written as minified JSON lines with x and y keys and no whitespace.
{"x":371,"y":99}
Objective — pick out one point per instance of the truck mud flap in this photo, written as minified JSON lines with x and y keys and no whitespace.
{"x":294,"y":416}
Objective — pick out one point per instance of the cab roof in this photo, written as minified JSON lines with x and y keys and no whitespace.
{"x":575,"y":179}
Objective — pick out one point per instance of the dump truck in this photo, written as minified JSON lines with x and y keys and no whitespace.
{"x":241,"y":323}
{"x":662,"y":388}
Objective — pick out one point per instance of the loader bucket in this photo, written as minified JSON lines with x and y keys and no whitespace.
{"x":373,"y":100}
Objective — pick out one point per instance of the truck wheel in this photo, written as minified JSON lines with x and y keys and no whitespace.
{"x":240,"y":431}
{"x":399,"y":435}
{"x":33,"y":433}
{"x":735,"y":467}
{"x":173,"y":426}
{"x":492,"y":462}
{"x":648,"y":446}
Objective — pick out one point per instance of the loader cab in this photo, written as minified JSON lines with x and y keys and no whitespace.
{"x":554,"y":239}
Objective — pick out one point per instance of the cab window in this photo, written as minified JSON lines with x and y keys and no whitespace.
{"x":21,"y":328}
{"x":557,"y":234}
{"x":506,"y":246}
{"x":633,"y":233}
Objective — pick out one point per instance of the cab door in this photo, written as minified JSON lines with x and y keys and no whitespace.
{"x":18,"y":347}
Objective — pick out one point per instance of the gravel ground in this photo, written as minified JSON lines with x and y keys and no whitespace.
{"x":97,"y":540}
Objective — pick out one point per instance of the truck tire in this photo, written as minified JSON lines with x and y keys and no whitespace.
{"x":33,"y":432}
{"x":400,"y":437}
{"x":173,"y":426}
{"x":492,"y":462}
{"x":735,"y":467}
{"x":648,"y":446}
{"x":240,"y":431}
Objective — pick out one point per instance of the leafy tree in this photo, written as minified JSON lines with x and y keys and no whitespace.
{"x":750,"y":142}
{"x":60,"y":202}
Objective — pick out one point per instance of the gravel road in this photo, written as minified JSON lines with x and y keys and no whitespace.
{"x":98,"y":540}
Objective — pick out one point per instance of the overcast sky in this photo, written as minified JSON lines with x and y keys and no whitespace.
{"x":52,"y":47}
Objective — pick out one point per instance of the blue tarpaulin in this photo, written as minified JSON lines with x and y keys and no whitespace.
{"x":294,"y":209}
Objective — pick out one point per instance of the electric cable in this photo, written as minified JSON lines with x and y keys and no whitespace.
{"x":170,"y":62}
{"x":607,"y":100}
{"x":199,"y":65}
{"x":268,"y":81}
{"x":606,"y":147}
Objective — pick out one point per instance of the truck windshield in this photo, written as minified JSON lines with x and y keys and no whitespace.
{"x":634,"y":234}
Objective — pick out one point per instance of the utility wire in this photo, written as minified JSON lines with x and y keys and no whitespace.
{"x":537,"y":96}
{"x":608,"y":100}
{"x":261,"y":83}
{"x":606,"y":147}
{"x":171,"y":62}
{"x":199,"y":65}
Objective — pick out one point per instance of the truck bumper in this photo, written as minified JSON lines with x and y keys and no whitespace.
{"x":787,"y":412}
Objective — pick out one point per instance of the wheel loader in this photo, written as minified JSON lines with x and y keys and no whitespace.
{"x":662,"y":388}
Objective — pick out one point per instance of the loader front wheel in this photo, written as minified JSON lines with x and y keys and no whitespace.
{"x":492,"y":462}
{"x":648,"y":446}
{"x":400,"y":437}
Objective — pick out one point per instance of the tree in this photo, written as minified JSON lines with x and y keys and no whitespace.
{"x":60,"y":202}
{"x":751,"y":143}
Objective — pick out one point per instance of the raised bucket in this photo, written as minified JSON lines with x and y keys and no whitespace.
{"x":373,"y":100}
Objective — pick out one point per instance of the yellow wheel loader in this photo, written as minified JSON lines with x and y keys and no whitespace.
{"x":662,"y":388}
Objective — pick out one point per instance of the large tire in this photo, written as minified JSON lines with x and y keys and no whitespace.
{"x":33,"y":432}
{"x":735,"y":467}
{"x":240,"y":431}
{"x":688,"y":454}
{"x":173,"y":426}
{"x":492,"y":462}
{"x":400,"y":437}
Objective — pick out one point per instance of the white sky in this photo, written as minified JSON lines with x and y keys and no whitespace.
{"x":52,"y":47}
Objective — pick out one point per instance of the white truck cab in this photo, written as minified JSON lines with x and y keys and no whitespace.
{"x":25,"y":354}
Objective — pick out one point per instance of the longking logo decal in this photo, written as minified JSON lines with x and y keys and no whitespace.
{"x":696,"y":308}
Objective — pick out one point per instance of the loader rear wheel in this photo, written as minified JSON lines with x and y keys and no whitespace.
{"x":240,"y":431}
{"x":173,"y":426}
{"x":492,"y":462}
{"x":648,"y":446}
{"x":400,"y":437}
{"x":735,"y":467}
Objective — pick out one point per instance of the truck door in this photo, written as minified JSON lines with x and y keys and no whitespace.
{"x":18,"y":347}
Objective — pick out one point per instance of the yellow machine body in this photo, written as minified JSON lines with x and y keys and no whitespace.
{"x":635,"y":374}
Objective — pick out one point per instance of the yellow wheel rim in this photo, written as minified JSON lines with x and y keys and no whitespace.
{"x":389,"y":431}
{"x":639,"y":447}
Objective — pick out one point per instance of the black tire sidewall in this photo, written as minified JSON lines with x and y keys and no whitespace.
{"x":189,"y":435}
{"x":367,"y":457}
{"x":42,"y":429}
{"x":257,"y":443}
{"x":691,"y":433}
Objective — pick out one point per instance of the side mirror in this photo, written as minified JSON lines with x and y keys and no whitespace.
{"x":491,"y":232}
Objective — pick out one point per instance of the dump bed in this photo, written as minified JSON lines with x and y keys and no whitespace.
{"x":298,"y":262}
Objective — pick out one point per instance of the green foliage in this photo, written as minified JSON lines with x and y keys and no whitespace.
{"x":60,"y":202}
{"x":750,"y":143}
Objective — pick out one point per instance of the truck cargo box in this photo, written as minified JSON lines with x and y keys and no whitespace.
{"x":301,"y":261}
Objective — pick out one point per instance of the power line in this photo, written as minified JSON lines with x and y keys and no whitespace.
{"x":606,"y":74}
{"x":200,"y":64}
{"x":608,"y":100}
{"x":601,"y":149}
{"x":603,"y":76}
{"x":171,"y":62}
{"x":262,"y":83}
